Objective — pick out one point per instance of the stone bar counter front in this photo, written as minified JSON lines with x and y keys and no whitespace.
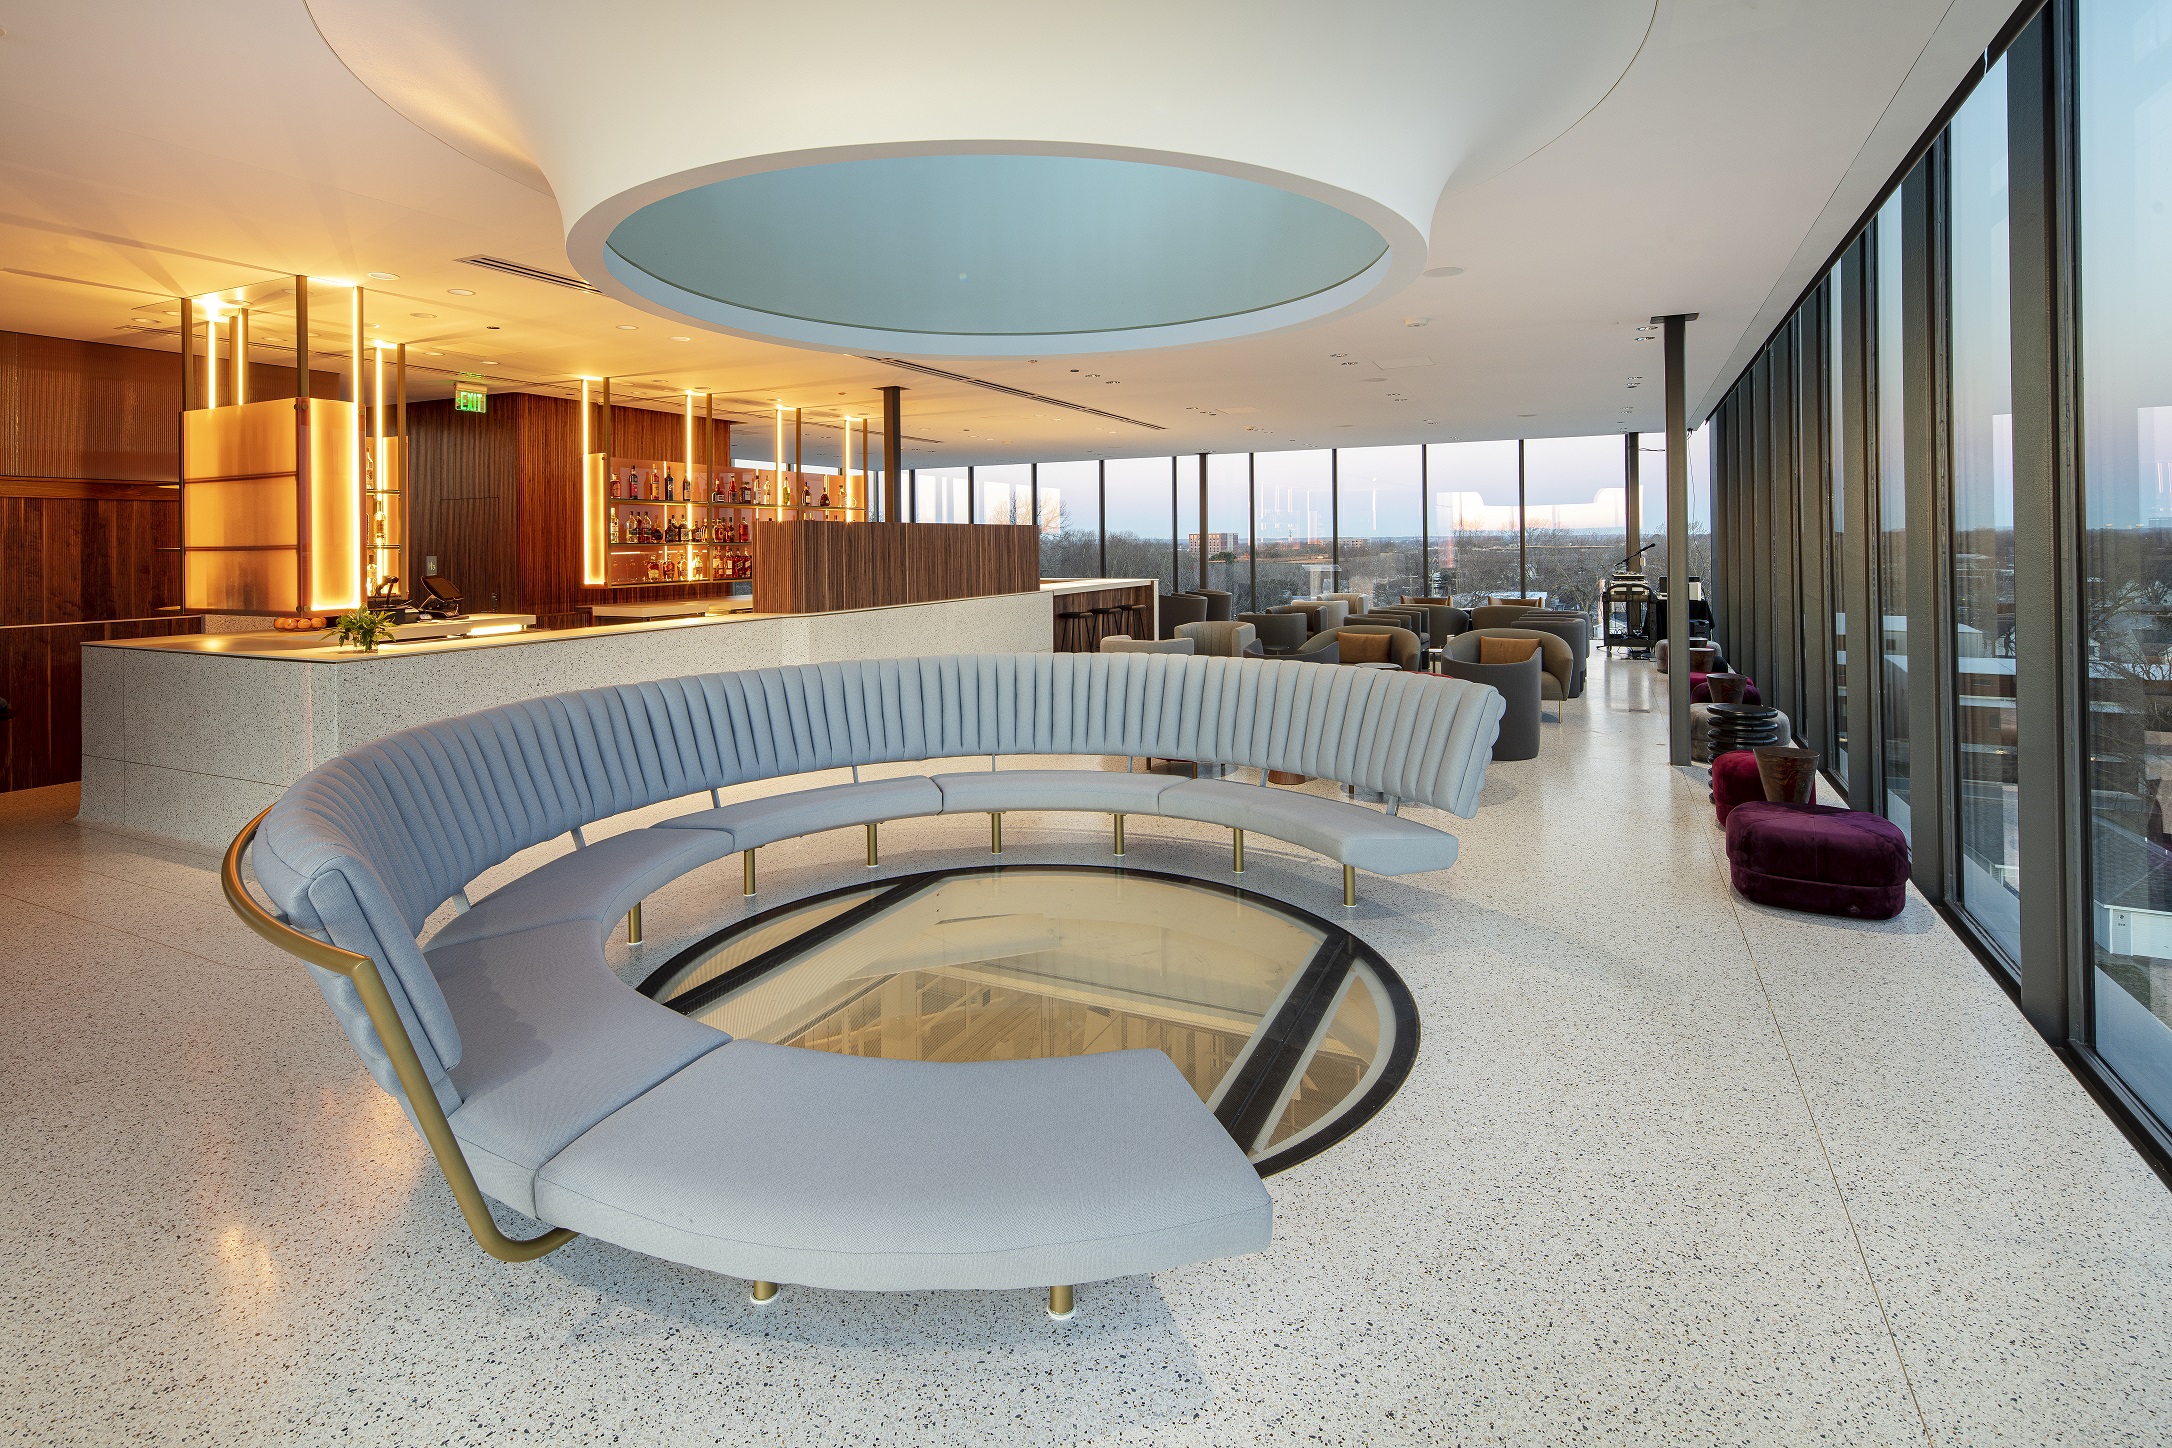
{"x":184,"y":739}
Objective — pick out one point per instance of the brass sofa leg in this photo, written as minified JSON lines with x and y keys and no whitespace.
{"x":995,"y":832}
{"x":763,"y":1294}
{"x":1119,"y":834}
{"x":633,"y":925}
{"x":1060,"y":1303}
{"x":873,"y":858}
{"x":747,"y":870}
{"x":1349,"y":885}
{"x":1236,"y":849}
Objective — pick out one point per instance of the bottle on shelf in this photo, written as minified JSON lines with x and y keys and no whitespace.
{"x":671,"y":487}
{"x":825,"y":496}
{"x":617,"y":489}
{"x":612,"y":532}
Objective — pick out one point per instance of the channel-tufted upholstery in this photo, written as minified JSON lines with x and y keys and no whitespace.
{"x":558,"y":1055}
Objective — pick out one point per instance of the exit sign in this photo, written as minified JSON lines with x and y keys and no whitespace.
{"x":470,"y":397}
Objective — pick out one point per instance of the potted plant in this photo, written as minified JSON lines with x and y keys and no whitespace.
{"x":362,"y":630}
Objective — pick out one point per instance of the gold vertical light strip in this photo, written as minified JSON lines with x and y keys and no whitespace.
{"x":687,"y":488}
{"x":594,"y":562}
{"x":336,"y":556}
{"x":239,"y":346}
{"x":779,"y":465}
{"x":211,"y":352}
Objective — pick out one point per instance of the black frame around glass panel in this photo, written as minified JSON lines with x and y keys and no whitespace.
{"x":1290,"y":1030}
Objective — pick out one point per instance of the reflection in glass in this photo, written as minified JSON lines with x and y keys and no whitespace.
{"x":1379,"y":522}
{"x":1229,"y":526}
{"x":1474,"y":518}
{"x":1892,"y":476}
{"x":1985,"y":727}
{"x":1139,"y":519}
{"x":1574,"y":493}
{"x":2125,"y":142}
{"x":939,"y":495}
{"x":1295,"y":527}
{"x":1070,"y":520}
{"x":1003,"y":494}
{"x":1835,"y":417}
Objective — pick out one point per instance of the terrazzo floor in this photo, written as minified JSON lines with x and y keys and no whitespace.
{"x":1671,"y":1168}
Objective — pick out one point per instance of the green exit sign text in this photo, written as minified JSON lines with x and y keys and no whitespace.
{"x":470,"y":397}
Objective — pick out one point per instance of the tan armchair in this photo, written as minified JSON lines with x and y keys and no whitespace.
{"x":1557,"y":663}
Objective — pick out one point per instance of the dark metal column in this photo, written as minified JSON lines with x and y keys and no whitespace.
{"x":1203,"y":520}
{"x":1425,"y":522}
{"x":1677,"y":539}
{"x":1633,"y":497}
{"x":1176,"y":536}
{"x":1866,"y":635}
{"x":1334,"y":516}
{"x":1251,"y":529}
{"x":1814,"y":530}
{"x":893,"y":452}
{"x":1929,"y":531}
{"x":1523,"y":532}
{"x":2049,"y":562}
{"x":1101,"y":511}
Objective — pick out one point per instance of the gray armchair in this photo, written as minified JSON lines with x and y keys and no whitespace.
{"x":1219,"y":603}
{"x":1447,"y":620}
{"x":1181,"y":608}
{"x":1558,"y":669}
{"x":1321,"y":615}
{"x":1519,"y":685}
{"x":1357,"y":602}
{"x":1222,"y":638}
{"x":1278,"y":633}
{"x":1499,"y":615}
{"x":1404,"y":650}
{"x":1321,"y":648}
{"x":1125,"y":644}
{"x":1400,"y":616}
{"x":1575,"y":631}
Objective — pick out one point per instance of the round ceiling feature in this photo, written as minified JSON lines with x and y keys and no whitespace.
{"x":1000,"y":253}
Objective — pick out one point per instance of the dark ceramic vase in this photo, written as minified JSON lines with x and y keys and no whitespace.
{"x":1726,"y":688}
{"x":1790,"y":775}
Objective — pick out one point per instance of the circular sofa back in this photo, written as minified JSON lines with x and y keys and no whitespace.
{"x":363,"y":848}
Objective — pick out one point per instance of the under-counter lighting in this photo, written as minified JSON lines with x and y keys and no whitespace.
{"x":493,"y":628}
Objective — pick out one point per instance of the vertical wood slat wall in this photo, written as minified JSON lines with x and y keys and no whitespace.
{"x":89,"y":433}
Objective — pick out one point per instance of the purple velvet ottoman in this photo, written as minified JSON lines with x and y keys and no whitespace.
{"x":1735,"y":781}
{"x":1819,"y":858}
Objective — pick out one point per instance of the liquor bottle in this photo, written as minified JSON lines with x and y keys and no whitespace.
{"x":825,"y":495}
{"x":614,"y":528}
{"x":671,"y":487}
{"x":617,"y":489}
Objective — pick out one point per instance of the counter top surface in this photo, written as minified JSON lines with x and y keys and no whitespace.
{"x":312,"y":648}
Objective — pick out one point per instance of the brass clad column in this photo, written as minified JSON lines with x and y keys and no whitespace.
{"x":893,"y":454}
{"x":1677,"y":542}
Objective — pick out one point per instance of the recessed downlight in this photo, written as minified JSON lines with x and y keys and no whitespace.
{"x":628,"y":327}
{"x":422,"y":316}
{"x":1444,"y":271}
{"x":459,"y":292}
{"x":384,"y":276}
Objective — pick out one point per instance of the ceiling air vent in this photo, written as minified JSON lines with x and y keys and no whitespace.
{"x":534,"y":274}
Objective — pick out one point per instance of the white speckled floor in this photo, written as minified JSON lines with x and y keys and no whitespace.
{"x":1671,"y":1168}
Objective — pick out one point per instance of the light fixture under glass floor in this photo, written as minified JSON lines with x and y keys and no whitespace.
{"x":1292,"y":1029}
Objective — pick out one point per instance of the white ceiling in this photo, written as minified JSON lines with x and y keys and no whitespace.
{"x":153,"y":150}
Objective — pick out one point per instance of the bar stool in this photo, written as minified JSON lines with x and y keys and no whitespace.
{"x":1110,"y":619}
{"x":1074,"y":632}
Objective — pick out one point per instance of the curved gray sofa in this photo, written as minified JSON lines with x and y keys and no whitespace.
{"x":557,"y":1090}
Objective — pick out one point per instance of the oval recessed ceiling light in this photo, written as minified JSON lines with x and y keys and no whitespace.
{"x":436,"y":354}
{"x":689,"y":339}
{"x":1417,"y":321}
{"x":1444,"y":271}
{"x":425,"y":316}
{"x":458,"y":292}
{"x":628,"y":327}
{"x":384,"y":276}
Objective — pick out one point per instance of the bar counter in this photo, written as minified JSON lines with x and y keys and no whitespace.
{"x":185,"y":738}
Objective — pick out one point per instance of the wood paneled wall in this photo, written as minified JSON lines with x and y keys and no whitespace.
{"x":816,"y":567}
{"x":498,"y":500}
{"x":88,"y":433}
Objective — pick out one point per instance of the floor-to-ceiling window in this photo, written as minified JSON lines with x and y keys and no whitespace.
{"x":1836,"y":450}
{"x":1003,"y":494}
{"x":1229,"y":526}
{"x":1473,"y":487}
{"x":1985,"y":728}
{"x":1192,"y":567}
{"x":939,"y":495}
{"x":1892,"y":479}
{"x":1652,"y":482}
{"x":1140,"y":541}
{"x":1070,"y":520}
{"x":2125,"y":242}
{"x":1380,"y":515}
{"x":1574,"y":491}
{"x":1295,"y":540}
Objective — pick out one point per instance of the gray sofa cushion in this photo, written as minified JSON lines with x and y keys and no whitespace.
{"x":802,"y":1166}
{"x":554,"y":1043}
{"x":755,"y":822}
{"x":597,"y":884}
{"x":1051,"y":789}
{"x":1350,"y":834}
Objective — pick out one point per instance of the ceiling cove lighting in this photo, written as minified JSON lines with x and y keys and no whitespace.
{"x":996,"y":254}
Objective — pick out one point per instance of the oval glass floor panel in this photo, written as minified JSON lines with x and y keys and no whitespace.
{"x":1289,"y":1027}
